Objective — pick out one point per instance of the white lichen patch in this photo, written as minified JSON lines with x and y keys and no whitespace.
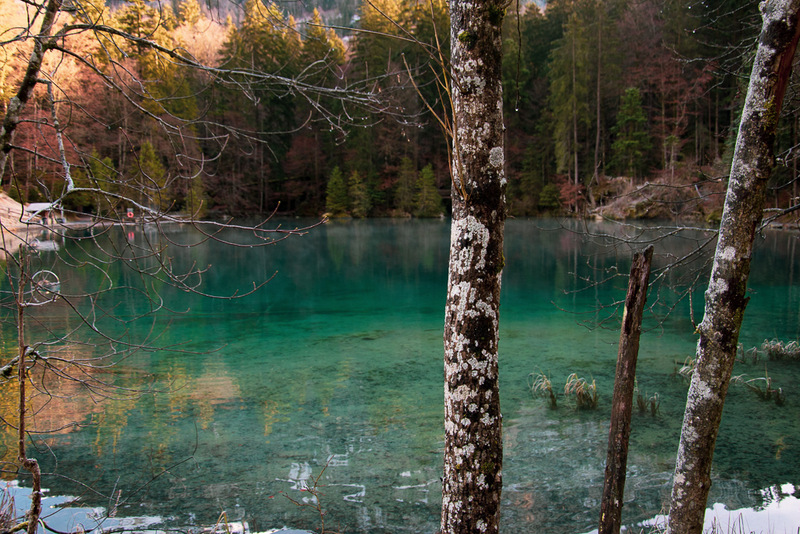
{"x":477,"y":235}
{"x":496,"y":157}
{"x":728,"y":254}
{"x":463,"y":305}
{"x":703,"y":391}
{"x":450,"y":427}
{"x":476,"y":365}
{"x":465,"y":452}
{"x":468,"y":74}
{"x":463,"y":394}
{"x":483,"y":132}
{"x":487,"y":310}
{"x":689,"y":433}
{"x":680,"y":480}
{"x":717,"y":286}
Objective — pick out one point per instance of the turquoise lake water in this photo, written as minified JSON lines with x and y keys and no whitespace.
{"x":332,"y":373}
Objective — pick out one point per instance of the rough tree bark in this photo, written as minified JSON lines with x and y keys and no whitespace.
{"x":17,"y":103}
{"x":473,"y":439}
{"x":624,"y":384}
{"x":725,"y":297}
{"x":30,"y":464}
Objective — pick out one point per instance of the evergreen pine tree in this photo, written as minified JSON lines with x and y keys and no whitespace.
{"x":569,"y":96}
{"x":102,"y":175}
{"x":337,"y":202}
{"x":427,"y":202}
{"x":151,"y":178}
{"x":632,"y":142}
{"x":322,"y":49}
{"x":190,"y":12}
{"x":359,"y":196}
{"x":549,"y":198}
{"x":406,"y":181}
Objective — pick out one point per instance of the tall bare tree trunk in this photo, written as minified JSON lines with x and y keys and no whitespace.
{"x":716,"y":127}
{"x":29,"y":464}
{"x":598,"y":108}
{"x":17,"y":103}
{"x":473,"y":453}
{"x":726,"y":295}
{"x":619,"y":431}
{"x":10,"y":121}
{"x":794,"y":200}
{"x":575,"y":113}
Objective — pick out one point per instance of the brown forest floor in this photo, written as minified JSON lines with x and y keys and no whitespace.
{"x":697,"y":198}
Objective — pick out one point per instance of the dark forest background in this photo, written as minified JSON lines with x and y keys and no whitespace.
{"x":621,"y":108}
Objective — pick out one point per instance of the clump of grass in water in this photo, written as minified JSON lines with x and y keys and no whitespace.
{"x":770,"y":349}
{"x":750,"y":356}
{"x":585,"y":393}
{"x":645,"y":403}
{"x":781,"y":350}
{"x":762,"y":386}
{"x":687,"y":369}
{"x":542,"y":387}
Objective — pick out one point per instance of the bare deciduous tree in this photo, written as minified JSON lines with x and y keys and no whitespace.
{"x":726,"y":294}
{"x":31,"y":279}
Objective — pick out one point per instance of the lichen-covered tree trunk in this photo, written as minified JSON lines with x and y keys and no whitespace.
{"x":473,"y":434}
{"x":726,"y":294}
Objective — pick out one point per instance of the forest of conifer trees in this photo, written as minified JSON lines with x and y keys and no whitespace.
{"x":621,"y":108}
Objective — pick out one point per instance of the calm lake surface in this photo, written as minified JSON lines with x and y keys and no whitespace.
{"x":332,"y":373}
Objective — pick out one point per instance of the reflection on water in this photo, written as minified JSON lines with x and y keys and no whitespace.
{"x":330,"y":379}
{"x":780,"y":512}
{"x":61,"y":514}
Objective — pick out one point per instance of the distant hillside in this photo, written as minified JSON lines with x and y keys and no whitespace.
{"x":342,"y":13}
